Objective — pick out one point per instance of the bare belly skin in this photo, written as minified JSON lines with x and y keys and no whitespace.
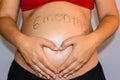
{"x":57,"y":24}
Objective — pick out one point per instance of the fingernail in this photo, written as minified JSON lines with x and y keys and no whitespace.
{"x":55,"y":48}
{"x":40,"y":75}
{"x":73,"y":74}
{"x":48,"y":77}
{"x":53,"y":76}
{"x":65,"y":76}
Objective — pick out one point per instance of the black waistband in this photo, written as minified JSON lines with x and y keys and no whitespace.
{"x":17,"y":72}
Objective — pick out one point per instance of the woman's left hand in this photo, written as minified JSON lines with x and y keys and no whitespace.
{"x":83,"y":48}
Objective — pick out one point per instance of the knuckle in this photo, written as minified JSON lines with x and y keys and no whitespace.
{"x":69,"y":69}
{"x":50,"y":68}
{"x":85,"y":60}
{"x":66,"y":71}
{"x":43,"y":73}
{"x":47,"y":71}
{"x":79,"y":61}
{"x":82,"y":61}
{"x":34,"y":59}
{"x":29,"y":62}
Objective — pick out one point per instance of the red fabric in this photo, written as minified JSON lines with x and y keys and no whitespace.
{"x":31,"y":4}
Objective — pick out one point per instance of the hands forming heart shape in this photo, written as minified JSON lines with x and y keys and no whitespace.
{"x":82,"y":50}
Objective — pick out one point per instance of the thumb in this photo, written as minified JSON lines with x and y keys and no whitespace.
{"x":49,"y":44}
{"x":66,"y":43}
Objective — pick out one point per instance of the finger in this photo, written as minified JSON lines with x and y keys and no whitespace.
{"x":44,"y":60}
{"x":45,"y":71}
{"x":40,"y":75}
{"x":69,"y":69}
{"x":72,"y":72}
{"x":48,"y":65}
{"x":43,"y":77}
{"x":45,"y":65}
{"x":69,"y":61}
{"x":49,"y":44}
{"x":66,"y":43}
{"x":40,"y":72}
{"x":66,"y":64}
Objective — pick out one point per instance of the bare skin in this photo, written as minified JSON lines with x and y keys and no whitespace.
{"x":58,"y":42}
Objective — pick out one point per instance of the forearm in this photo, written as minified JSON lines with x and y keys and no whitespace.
{"x":9,"y":30}
{"x":107,"y":26}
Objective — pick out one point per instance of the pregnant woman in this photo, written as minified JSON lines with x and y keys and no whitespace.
{"x":56,"y":40}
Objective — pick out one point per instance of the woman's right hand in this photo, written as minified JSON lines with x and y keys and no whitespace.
{"x":31,"y":48}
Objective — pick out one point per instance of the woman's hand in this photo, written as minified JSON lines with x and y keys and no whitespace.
{"x":83,"y":48}
{"x":31,"y":48}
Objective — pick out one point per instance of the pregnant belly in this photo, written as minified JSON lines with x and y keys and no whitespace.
{"x":56,"y":28}
{"x":56,"y":34}
{"x":57,"y":23}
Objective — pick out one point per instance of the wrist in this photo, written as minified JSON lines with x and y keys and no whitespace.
{"x":20,"y":40}
{"x":95,"y":39}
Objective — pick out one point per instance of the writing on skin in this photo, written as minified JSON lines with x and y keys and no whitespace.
{"x":56,"y":18}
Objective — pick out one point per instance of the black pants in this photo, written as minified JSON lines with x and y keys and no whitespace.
{"x":16,"y":72}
